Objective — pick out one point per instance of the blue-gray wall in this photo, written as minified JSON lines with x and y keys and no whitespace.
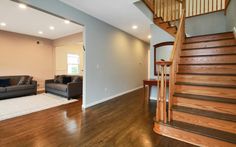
{"x":115,"y":62}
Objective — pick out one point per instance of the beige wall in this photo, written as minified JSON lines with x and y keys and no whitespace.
{"x":61,"y":58}
{"x":65,"y":45}
{"x":21,"y":55}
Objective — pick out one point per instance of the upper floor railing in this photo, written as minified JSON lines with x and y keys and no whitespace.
{"x":171,"y":10}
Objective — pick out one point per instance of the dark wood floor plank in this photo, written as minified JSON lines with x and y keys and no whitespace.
{"x":123,"y":121}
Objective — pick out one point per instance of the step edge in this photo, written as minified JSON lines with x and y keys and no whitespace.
{"x":206,"y":98}
{"x":204,"y":41}
{"x":201,"y":48}
{"x":228,"y":32}
{"x":210,"y":55}
{"x":203,"y":134}
{"x":206,"y":85}
{"x":203,"y":113}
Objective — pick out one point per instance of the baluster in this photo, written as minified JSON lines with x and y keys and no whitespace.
{"x":189,"y":7}
{"x":208,"y":6}
{"x":196,"y":7}
{"x":220,"y":4}
{"x":158,"y":95}
{"x":164,"y":93}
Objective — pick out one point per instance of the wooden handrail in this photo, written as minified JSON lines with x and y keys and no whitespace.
{"x":162,"y":67}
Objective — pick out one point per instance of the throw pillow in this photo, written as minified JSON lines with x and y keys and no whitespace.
{"x":66,"y":80}
{"x":58,"y":79}
{"x":29,"y":80}
{"x":77,"y":79}
{"x":5,"y":82}
{"x":22,"y":80}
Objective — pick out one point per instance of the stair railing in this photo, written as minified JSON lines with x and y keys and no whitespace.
{"x":162,"y":113}
{"x":171,"y":10}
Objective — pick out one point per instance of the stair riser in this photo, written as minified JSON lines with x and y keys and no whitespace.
{"x":208,"y":59}
{"x":210,"y":69}
{"x":208,"y":91}
{"x":202,"y":79}
{"x":205,"y":105}
{"x":212,"y":51}
{"x":205,"y":121}
{"x":210,"y":37}
{"x":211,"y":44}
{"x":189,"y":137}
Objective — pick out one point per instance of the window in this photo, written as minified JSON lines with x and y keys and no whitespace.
{"x":72,"y":64}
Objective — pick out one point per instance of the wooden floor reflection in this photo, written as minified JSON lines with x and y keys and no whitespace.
{"x":125,"y":121}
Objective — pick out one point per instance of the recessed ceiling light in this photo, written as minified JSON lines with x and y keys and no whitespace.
{"x":66,"y":21}
{"x":134,"y":27}
{"x":149,"y":36}
{"x":52,"y":28}
{"x":3,"y":24}
{"x":22,"y":6}
{"x":40,"y":32}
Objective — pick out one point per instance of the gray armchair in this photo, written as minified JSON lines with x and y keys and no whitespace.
{"x":72,"y":89}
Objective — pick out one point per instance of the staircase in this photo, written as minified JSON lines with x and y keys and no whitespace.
{"x":201,"y":108}
{"x":167,"y":13}
{"x":204,"y":99}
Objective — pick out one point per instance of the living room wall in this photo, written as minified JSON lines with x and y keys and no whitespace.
{"x":115,"y":62}
{"x":65,"y":45}
{"x":22,"y":55}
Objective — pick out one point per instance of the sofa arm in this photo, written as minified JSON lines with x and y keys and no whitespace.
{"x":74,"y":89}
{"x":34,"y":83}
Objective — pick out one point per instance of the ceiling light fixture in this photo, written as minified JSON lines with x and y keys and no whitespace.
{"x":52,"y":28}
{"x":134,"y":27}
{"x":3,"y":24}
{"x":66,"y":21}
{"x":22,"y":6}
{"x":40,"y":32}
{"x":149,"y":36}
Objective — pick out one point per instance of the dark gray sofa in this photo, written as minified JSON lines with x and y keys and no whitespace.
{"x":15,"y":90}
{"x":70,"y":90}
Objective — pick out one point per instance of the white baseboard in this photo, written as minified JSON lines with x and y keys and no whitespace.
{"x":109,"y":98}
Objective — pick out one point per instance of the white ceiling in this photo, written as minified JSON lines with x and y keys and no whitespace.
{"x":30,"y":21}
{"x":119,"y":13}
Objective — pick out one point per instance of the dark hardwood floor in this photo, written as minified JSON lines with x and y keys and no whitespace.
{"x":125,"y":121}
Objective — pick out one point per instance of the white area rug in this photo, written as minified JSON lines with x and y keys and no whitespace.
{"x":10,"y":108}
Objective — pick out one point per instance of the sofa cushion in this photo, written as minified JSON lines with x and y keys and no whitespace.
{"x":5,"y":82}
{"x":67,"y":79}
{"x":29,"y":80}
{"x":57,"y":86}
{"x":58,"y":79}
{"x":3,"y":89}
{"x":77,"y":79}
{"x":19,"y":87}
{"x":23,"y":80}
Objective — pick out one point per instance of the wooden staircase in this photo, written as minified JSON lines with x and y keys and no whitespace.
{"x":203,"y":105}
{"x":167,"y":13}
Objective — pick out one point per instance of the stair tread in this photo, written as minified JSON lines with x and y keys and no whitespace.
{"x":206,"y":64}
{"x":208,"y":55}
{"x":206,"y":113}
{"x":209,"y":132}
{"x":206,"y":85}
{"x":216,"y":34}
{"x":208,"y":74}
{"x":223,"y":46}
{"x":226,"y":38}
{"x":206,"y":98}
